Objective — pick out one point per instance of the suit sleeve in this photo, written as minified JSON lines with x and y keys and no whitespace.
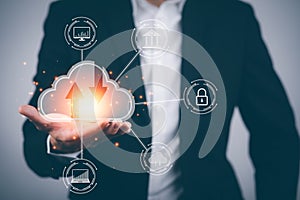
{"x":266,"y":111}
{"x":53,"y":60}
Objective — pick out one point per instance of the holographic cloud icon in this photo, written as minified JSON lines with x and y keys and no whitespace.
{"x":86,"y":93}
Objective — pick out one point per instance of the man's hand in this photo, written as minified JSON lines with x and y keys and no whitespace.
{"x":65,"y":136}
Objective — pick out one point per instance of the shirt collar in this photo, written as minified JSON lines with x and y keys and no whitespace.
{"x":146,"y":5}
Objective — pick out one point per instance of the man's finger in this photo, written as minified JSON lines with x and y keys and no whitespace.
{"x":125,"y":127}
{"x":33,"y":115}
{"x":113,"y":128}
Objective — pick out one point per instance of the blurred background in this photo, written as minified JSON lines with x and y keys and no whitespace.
{"x":21,"y":25}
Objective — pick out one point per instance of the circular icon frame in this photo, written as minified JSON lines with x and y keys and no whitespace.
{"x":156,"y":159}
{"x":83,"y":176}
{"x":210,"y":92}
{"x":155,"y":37}
{"x":81,"y":33}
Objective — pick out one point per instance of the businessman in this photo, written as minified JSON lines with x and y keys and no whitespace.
{"x":230,"y":33}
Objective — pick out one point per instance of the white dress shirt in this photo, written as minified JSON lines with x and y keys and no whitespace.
{"x":165,"y":186}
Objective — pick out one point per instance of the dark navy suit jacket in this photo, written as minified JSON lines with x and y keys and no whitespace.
{"x":230,"y":33}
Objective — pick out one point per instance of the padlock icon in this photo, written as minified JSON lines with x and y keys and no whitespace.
{"x":201,"y":98}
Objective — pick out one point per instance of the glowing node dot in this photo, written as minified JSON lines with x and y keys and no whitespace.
{"x":55,"y":77}
{"x":41,"y":89}
{"x":137,"y":114}
{"x":54,"y":147}
{"x":24,"y":63}
{"x":117,"y":144}
{"x":126,"y":76}
{"x":30,"y":93}
{"x":110,"y":72}
{"x":74,"y":137}
{"x":44,"y":72}
{"x":141,"y":96}
{"x":96,"y":139}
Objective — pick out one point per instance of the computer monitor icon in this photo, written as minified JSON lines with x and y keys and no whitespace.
{"x":80,"y":176}
{"x":81,"y":33}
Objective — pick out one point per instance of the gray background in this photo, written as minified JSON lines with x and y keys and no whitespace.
{"x":21,"y":33}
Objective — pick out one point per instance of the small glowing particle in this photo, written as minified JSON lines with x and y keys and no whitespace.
{"x":30,"y":93}
{"x":54,"y":147}
{"x":119,"y":82}
{"x":126,"y":76}
{"x":142,"y":78}
{"x":74,"y":137}
{"x":137,"y":114}
{"x":117,"y":144}
{"x":41,"y":89}
{"x":96,"y":139}
{"x":110,"y":72}
{"x":24,"y":63}
{"x":35,"y":83}
{"x":55,"y":77}
{"x":52,"y":95}
{"x":141,"y":96}
{"x":145,"y":103}
{"x":130,"y":91}
{"x":71,"y":82}
{"x":44,"y":72}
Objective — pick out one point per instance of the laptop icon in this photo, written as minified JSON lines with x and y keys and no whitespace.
{"x":80,"y":176}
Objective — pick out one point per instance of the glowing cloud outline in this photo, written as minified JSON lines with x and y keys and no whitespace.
{"x":106,"y":80}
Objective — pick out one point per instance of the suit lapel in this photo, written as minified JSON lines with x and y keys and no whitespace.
{"x":194,"y":11}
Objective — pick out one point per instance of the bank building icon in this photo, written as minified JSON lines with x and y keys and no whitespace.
{"x":151,"y":38}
